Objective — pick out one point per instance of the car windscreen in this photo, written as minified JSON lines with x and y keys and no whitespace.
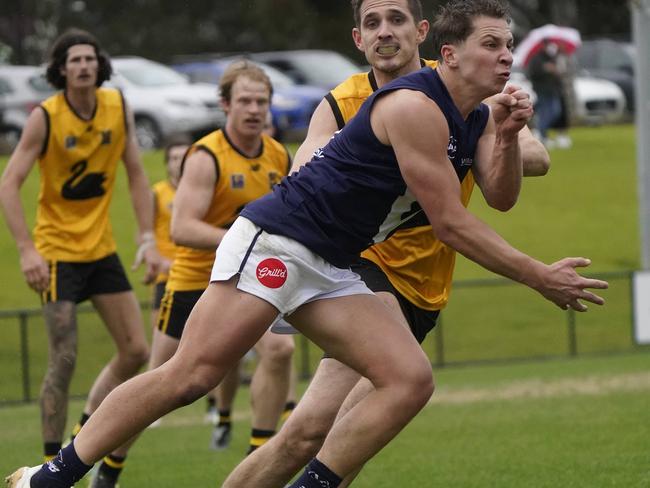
{"x":325,"y":68}
{"x":150,"y":74}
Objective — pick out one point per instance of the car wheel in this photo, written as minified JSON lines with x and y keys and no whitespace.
{"x":147,"y":133}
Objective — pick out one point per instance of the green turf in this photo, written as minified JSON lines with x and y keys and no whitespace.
{"x":586,"y":205}
{"x":563,"y":423}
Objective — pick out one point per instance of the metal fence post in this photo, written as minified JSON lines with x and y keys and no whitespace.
{"x":24,"y":356}
{"x":571,"y":330}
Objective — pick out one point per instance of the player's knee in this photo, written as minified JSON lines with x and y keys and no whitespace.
{"x":279,"y":351}
{"x":303,"y":440}
{"x":62,"y":365}
{"x":416,"y":383}
{"x":192,"y":385}
{"x":134,"y":355}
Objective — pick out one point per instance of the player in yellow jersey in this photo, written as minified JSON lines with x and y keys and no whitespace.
{"x":163,"y":192}
{"x":411,"y":271}
{"x":220,"y":174}
{"x":78,"y":136}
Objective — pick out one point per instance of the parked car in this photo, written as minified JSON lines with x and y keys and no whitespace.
{"x":310,"y":66}
{"x":595,"y":101}
{"x":610,"y":60}
{"x":21,"y":89}
{"x":291,"y":107}
{"x":164,"y":102}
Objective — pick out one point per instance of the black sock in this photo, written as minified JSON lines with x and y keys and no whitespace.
{"x":224,"y":417}
{"x":211,"y":402}
{"x":63,"y":471}
{"x":317,"y":475}
{"x":288,"y":408}
{"x":75,"y":430}
{"x":112,"y":466}
{"x":50,"y":450}
{"x":259,"y":437}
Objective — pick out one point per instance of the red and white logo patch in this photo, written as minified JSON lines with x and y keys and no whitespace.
{"x":272,"y":273}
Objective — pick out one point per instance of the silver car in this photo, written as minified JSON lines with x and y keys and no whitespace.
{"x":21,"y":89}
{"x":164,"y":102}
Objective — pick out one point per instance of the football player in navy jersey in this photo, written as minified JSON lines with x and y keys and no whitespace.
{"x":289,"y":254}
{"x":411,"y":272}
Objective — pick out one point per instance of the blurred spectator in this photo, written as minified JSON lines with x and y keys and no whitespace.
{"x":567,"y":70}
{"x":545,"y":73}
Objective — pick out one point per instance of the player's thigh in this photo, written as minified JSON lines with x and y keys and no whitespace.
{"x":123,"y":319}
{"x":360,"y":331}
{"x":61,"y":324}
{"x":224,"y":324}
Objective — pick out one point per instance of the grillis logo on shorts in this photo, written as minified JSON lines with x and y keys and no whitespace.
{"x":272,"y":273}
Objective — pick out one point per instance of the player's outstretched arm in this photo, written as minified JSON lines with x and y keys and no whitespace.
{"x":422,"y":155}
{"x":192,"y":201}
{"x":321,"y":129}
{"x":534,"y":155}
{"x":143,"y":204}
{"x":31,"y":143}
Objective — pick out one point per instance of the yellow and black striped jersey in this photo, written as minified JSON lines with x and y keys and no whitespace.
{"x":240,"y":180}
{"x":417,"y":264}
{"x":77,"y":167}
{"x":163,"y":193}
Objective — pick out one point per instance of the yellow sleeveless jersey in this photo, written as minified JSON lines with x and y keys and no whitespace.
{"x":417,"y":264}
{"x":78,"y":165}
{"x":163,"y":193}
{"x":240,"y":180}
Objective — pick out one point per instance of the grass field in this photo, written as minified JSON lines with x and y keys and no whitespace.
{"x":579,"y":423}
{"x":586,"y":205}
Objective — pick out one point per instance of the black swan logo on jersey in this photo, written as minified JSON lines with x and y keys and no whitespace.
{"x":79,"y":187}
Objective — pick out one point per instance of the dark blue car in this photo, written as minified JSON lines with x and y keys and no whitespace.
{"x":291,"y":107}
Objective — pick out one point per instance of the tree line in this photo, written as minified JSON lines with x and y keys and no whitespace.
{"x":162,"y":29}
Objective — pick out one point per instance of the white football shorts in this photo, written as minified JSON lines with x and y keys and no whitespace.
{"x":280,"y":270}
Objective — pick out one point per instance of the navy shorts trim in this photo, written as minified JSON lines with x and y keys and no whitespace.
{"x":420,"y":321}
{"x":77,"y":282}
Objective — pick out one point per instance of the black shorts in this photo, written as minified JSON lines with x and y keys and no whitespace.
{"x":420,"y":321}
{"x":158,"y":292}
{"x":76,"y":282}
{"x":175,"y":308}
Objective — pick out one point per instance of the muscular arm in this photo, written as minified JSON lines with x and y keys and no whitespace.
{"x":422,"y":156}
{"x":192,"y":201}
{"x":142,"y":201}
{"x":20,"y":164}
{"x":321,"y":129}
{"x":499,"y":166}
{"x":141,"y":194}
{"x":508,"y":150}
{"x":536,"y":159}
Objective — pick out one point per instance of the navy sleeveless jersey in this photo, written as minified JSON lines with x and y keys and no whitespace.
{"x":351,"y":194}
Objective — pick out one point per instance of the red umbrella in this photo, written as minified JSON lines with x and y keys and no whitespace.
{"x":567,"y":38}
